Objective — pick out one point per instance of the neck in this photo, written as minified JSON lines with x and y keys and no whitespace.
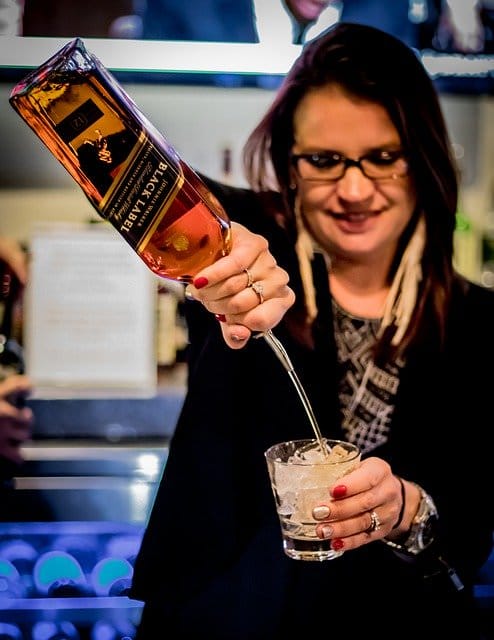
{"x":359,"y":289}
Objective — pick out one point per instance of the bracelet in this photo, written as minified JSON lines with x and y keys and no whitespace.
{"x":402,"y":509}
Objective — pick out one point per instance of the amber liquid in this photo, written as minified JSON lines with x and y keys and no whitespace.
{"x":191,"y":236}
{"x":126,"y":168}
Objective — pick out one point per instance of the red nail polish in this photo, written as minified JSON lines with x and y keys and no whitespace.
{"x":220,"y":317}
{"x":337,"y":544}
{"x":339,"y":491}
{"x":201,"y":282}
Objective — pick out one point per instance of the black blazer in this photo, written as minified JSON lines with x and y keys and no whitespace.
{"x":211,"y":563}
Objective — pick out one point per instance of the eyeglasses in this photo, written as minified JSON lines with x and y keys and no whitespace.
{"x":331,"y":166}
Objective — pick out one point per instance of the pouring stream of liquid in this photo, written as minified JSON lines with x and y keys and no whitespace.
{"x":282,"y":355}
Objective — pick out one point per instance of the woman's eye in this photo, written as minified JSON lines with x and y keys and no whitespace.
{"x":384,"y":157}
{"x":323,"y":162}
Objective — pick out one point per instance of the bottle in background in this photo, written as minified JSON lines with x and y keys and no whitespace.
{"x":127,"y":169}
{"x":166,"y":323}
{"x":10,"y":632}
{"x":84,"y":547}
{"x":112,"y":577}
{"x":227,"y":165}
{"x":106,"y":630}
{"x":23,"y":555}
{"x":11,"y":583}
{"x":49,"y":630}
{"x":11,"y":352}
{"x":57,"y":574}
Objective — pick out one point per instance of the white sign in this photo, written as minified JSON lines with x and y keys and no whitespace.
{"x":89,"y":314}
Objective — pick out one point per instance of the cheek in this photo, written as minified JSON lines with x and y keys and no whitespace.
{"x":310,"y":206}
{"x":315,"y":198}
{"x":322,"y":227}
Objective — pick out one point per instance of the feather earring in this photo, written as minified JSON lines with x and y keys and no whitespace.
{"x":402,"y":296}
{"x":305,"y":253}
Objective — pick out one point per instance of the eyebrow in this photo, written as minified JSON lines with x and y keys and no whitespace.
{"x":395,"y":145}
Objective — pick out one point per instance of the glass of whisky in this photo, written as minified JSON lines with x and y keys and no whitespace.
{"x":301,"y":475}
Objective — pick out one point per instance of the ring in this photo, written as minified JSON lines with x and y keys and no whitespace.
{"x":258,"y":290}
{"x":375,"y":523}
{"x":250,"y":280}
{"x":188,"y":294}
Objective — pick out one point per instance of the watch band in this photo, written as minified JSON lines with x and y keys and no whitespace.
{"x":421,"y":533}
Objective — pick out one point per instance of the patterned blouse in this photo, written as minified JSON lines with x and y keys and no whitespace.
{"x":367,"y":392}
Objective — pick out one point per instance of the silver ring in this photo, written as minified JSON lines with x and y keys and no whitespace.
{"x":258,"y":290}
{"x":375,"y":523}
{"x":250,"y":279}
{"x":188,"y":293}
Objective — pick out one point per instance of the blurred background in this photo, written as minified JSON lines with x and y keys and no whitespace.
{"x":102,"y":338}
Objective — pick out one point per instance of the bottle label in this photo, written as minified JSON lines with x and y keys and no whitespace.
{"x":137,"y":182}
{"x":144,"y":189}
{"x":79,"y":120}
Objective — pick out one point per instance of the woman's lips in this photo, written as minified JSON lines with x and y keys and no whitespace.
{"x":356,"y":216}
{"x":354,"y":221}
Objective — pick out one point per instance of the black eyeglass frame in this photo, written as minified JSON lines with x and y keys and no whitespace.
{"x":344,"y":162}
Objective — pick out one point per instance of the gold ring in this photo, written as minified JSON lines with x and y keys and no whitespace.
{"x":250,"y":279}
{"x":258,"y":290}
{"x":375,"y":523}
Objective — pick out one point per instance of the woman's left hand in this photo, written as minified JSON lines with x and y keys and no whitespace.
{"x":366,"y":505}
{"x":246,"y":290}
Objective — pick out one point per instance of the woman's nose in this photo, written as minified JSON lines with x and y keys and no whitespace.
{"x":354,"y":185}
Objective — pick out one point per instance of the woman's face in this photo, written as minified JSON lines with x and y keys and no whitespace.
{"x":354,"y":218}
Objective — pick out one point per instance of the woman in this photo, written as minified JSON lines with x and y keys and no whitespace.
{"x":355,"y":188}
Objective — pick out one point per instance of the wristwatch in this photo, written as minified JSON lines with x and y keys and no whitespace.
{"x":422,"y":531}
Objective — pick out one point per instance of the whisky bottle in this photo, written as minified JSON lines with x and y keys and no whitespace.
{"x":127,"y":169}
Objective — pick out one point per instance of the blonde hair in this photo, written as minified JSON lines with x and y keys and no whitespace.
{"x":402,"y":296}
{"x":304,"y":248}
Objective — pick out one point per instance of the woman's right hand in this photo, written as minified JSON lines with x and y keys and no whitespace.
{"x":225,"y":288}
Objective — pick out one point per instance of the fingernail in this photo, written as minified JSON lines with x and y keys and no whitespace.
{"x":339,"y":491}
{"x":320,"y":513}
{"x":201,"y":282}
{"x":327,"y":531}
{"x":337,"y":544}
{"x":220,"y":317}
